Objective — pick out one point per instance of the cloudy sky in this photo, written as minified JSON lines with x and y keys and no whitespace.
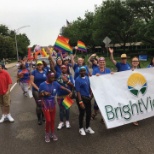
{"x":45,"y":17}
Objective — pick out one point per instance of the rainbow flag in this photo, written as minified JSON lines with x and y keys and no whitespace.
{"x":62,"y":44}
{"x":67,"y":102}
{"x":81,"y":46}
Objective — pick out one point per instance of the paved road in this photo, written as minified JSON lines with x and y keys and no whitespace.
{"x":26,"y":137}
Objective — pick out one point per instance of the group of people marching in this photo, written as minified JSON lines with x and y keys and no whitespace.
{"x":55,"y":83}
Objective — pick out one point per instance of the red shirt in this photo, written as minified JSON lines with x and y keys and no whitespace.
{"x":5,"y":80}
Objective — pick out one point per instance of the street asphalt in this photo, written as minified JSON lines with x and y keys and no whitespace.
{"x":24,"y":136}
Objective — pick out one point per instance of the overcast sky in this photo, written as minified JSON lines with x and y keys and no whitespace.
{"x":45,"y":17}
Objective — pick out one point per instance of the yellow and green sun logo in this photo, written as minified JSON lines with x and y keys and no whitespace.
{"x":137,"y":84}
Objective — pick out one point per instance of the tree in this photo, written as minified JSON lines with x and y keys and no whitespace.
{"x":143,"y":11}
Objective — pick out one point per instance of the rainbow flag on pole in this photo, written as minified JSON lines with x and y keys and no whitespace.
{"x":67,"y":102}
{"x":62,"y":44}
{"x":81,"y":46}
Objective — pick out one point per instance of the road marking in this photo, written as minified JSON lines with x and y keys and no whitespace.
{"x":13,"y":87}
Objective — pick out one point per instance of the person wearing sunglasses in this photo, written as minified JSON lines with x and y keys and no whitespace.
{"x":135,"y":65}
{"x":100,"y":70}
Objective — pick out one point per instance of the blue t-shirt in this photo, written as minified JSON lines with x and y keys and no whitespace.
{"x":52,"y":88}
{"x":122,"y":67}
{"x":62,"y":92}
{"x":97,"y":70}
{"x":39,"y":77}
{"x":76,"y":70}
{"x":47,"y":69}
{"x":94,"y":66}
{"x":82,"y":85}
{"x":58,"y":70}
{"x":26,"y":75}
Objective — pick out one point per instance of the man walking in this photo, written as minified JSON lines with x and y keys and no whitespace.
{"x":5,"y":84}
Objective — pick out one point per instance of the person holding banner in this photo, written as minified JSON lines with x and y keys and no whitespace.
{"x":24,"y":78}
{"x":84,"y":96}
{"x":37,"y":77}
{"x":100,"y":70}
{"x":76,"y":66}
{"x":66,"y":81}
{"x":151,"y":63}
{"x":47,"y":91}
{"x":121,"y":66}
{"x":135,"y":65}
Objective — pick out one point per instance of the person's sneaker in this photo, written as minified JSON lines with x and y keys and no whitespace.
{"x":82,"y":132}
{"x":47,"y":138}
{"x":9,"y":117}
{"x":68,"y":124}
{"x":61,"y":125}
{"x":2,"y":118}
{"x":89,"y":130}
{"x":54,"y":137}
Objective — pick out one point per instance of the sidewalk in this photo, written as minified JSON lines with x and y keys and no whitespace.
{"x":10,"y":65}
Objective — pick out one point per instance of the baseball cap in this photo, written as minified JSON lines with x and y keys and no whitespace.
{"x":82,"y":68}
{"x":39,"y":63}
{"x":124,"y":56}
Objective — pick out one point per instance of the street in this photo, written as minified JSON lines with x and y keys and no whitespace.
{"x":25,"y":136}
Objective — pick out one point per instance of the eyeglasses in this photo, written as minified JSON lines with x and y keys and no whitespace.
{"x":135,"y":61}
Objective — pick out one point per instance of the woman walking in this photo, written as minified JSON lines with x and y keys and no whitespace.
{"x":24,"y":78}
{"x":48,"y":90}
{"x":37,"y":77}
{"x":66,"y":81}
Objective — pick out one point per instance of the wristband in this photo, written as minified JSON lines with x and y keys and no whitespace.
{"x":68,"y":82}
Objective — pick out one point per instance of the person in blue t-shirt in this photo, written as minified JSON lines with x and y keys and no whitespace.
{"x":37,"y":77}
{"x":101,"y":70}
{"x":84,"y":95}
{"x":93,"y":61}
{"x":76,"y":66}
{"x":121,"y":66}
{"x":24,"y":78}
{"x":47,"y":91}
{"x":45,"y":67}
{"x":151,"y":63}
{"x":66,"y":81}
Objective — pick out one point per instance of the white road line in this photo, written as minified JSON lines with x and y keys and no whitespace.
{"x":13,"y":87}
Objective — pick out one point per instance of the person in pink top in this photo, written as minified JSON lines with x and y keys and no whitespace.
{"x":5,"y":84}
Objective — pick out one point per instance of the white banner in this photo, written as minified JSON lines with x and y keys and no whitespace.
{"x":124,"y":97}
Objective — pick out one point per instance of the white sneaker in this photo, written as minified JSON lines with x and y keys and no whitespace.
{"x":2,"y":118}
{"x":9,"y":117}
{"x":68,"y":124}
{"x":89,"y":130}
{"x":82,"y":132}
{"x":61,"y":125}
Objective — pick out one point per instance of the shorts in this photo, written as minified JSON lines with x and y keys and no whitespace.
{"x":5,"y":100}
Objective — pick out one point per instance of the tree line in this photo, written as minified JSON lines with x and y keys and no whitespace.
{"x":7,"y":43}
{"x":122,"y":21}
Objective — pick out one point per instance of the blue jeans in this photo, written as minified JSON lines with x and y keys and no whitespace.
{"x":63,"y":112}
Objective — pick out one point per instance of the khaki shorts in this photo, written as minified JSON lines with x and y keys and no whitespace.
{"x":5,"y":99}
